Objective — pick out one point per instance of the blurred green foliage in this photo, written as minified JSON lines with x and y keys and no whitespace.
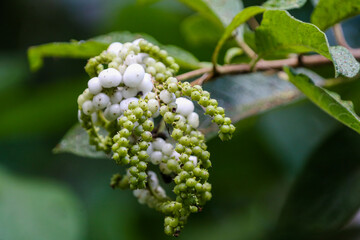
{"x":46,"y":196}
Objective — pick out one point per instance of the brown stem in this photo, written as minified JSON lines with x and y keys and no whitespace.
{"x":339,"y":36}
{"x":253,"y":23}
{"x":262,"y":65}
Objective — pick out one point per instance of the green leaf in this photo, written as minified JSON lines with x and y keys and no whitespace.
{"x":281,"y":34}
{"x":38,"y":209}
{"x":284,"y":4}
{"x":246,"y":95}
{"x":328,"y":101}
{"x":344,"y":62}
{"x":197,"y":31}
{"x":221,"y":12}
{"x":329,"y":12}
{"x":94,"y":46}
{"x":239,"y":19}
{"x":76,"y":141}
{"x":325,"y":195}
{"x":73,"y":49}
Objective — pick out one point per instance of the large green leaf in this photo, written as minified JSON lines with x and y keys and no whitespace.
{"x":280,"y":34}
{"x":328,"y":101}
{"x":94,"y":46}
{"x":239,"y":19}
{"x":197,"y":31}
{"x":38,"y":209}
{"x":218,"y":11}
{"x":325,"y":195}
{"x":344,"y":62}
{"x":72,"y":49}
{"x":330,"y":12}
{"x":245,"y":95}
{"x":76,"y":141}
{"x":284,"y":4}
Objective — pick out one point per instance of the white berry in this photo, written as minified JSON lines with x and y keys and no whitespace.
{"x":146,"y":84}
{"x":100,"y":101}
{"x":158,"y":143}
{"x":110,"y":78}
{"x":153,"y":105}
{"x":193,"y":119}
{"x":116,"y":97}
{"x":131,"y":59}
{"x":184,"y":106}
{"x":156,"y":157}
{"x":129,"y":92}
{"x":133,"y":75}
{"x":114,"y":48}
{"x":167,"y":149}
{"x":94,"y":85}
{"x":166,"y":96}
{"x":88,"y":108}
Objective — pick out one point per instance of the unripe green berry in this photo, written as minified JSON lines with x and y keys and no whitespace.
{"x":128,"y":125}
{"x":125,"y":133}
{"x":143,"y":145}
{"x":134,"y":160}
{"x":188,"y":166}
{"x":190,"y":182}
{"x":195,"y":95}
{"x":199,"y":187}
{"x":146,"y":136}
{"x":176,"y":134}
{"x":148,"y":125}
{"x":122,"y":151}
{"x":172,"y":87}
{"x":142,"y":166}
{"x":218,"y":119}
{"x":179,"y":148}
{"x":220,"y":110}
{"x":210,"y":110}
{"x":184,"y":141}
{"x":204,"y":101}
{"x":197,"y":171}
{"x":135,"y":149}
{"x":133,"y":105}
{"x":160,"y":77}
{"x":142,"y":176}
{"x":194,"y":209}
{"x":225,"y":128}
{"x":169,"y":117}
{"x":125,"y":160}
{"x":142,"y":155}
{"x":138,"y":112}
{"x":134,"y":171}
{"x":164,"y":109}
{"x":172,"y":164}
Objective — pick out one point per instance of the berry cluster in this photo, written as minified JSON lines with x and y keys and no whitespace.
{"x":150,"y":121}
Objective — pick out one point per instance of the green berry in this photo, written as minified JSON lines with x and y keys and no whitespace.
{"x":195,"y":95}
{"x":169,"y":117}
{"x":148,"y":125}
{"x":142,"y":166}
{"x":190,"y":182}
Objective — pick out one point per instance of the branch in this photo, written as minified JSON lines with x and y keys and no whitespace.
{"x":263,"y":65}
{"x":339,"y":36}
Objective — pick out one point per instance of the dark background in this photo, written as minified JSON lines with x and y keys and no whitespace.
{"x":251,"y":174}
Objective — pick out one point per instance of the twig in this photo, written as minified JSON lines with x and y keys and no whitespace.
{"x":339,"y":36}
{"x":246,"y":49}
{"x":307,"y":61}
{"x":205,"y":77}
{"x":253,"y":23}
